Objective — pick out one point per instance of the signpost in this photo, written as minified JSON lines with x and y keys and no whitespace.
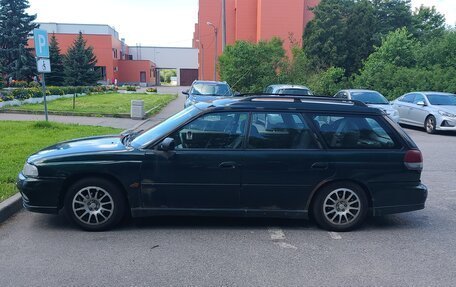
{"x":43,"y":64}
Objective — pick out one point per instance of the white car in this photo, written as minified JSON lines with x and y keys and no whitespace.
{"x":432,"y":110}
{"x":372,"y":99}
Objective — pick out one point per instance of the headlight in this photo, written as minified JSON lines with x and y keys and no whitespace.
{"x":445,"y":114}
{"x":30,"y":170}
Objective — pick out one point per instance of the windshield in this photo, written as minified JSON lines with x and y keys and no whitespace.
{"x":299,"y":92}
{"x":369,"y":98}
{"x":209,"y":89}
{"x":442,"y":100}
{"x":163,"y":128}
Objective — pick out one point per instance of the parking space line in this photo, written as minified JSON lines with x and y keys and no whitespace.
{"x":278,"y":237}
{"x":335,"y":235}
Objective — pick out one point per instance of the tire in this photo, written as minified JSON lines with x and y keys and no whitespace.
{"x":430,"y":124}
{"x":340,"y":206}
{"x":95,"y":204}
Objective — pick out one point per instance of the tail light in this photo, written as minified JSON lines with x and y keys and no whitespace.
{"x":413,"y":160}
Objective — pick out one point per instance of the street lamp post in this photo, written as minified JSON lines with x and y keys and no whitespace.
{"x":215,"y":55}
{"x":202,"y":58}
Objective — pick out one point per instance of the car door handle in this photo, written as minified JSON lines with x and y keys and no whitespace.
{"x":320,"y":165}
{"x":228,"y":164}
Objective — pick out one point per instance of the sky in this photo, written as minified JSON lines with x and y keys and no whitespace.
{"x":154,"y":22}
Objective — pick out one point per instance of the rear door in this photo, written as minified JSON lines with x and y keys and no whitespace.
{"x":403,"y":105}
{"x":282,"y":162}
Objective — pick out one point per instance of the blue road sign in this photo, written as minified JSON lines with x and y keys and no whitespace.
{"x":41,"y":43}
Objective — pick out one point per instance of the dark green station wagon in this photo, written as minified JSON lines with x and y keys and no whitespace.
{"x":335,"y":160}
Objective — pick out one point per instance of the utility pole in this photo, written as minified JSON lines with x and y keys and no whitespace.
{"x":216,"y":49}
{"x":223,"y":25}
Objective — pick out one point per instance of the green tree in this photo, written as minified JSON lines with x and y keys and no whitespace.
{"x":56,"y":77}
{"x":16,"y":58}
{"x":250,"y":67}
{"x":427,"y":23}
{"x":325,"y":37}
{"x":440,"y":51}
{"x":389,"y":15}
{"x":79,"y":64}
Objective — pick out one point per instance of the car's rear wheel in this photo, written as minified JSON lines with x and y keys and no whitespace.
{"x":430,"y":124}
{"x":340,"y":206}
{"x":95,"y":204}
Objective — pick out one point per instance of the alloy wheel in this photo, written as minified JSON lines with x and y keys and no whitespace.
{"x":342,"y":206}
{"x":93,"y":205}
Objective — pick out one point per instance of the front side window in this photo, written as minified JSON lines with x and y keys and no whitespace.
{"x":418,"y":98}
{"x":280,"y":131}
{"x":408,"y":98}
{"x":212,"y":131}
{"x":354,"y":132}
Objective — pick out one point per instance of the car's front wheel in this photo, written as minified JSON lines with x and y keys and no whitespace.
{"x":95,"y":204}
{"x":340,"y":206}
{"x":430,"y":124}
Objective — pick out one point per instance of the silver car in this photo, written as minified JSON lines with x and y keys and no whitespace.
{"x":288,"y":90}
{"x":432,"y":110}
{"x":372,"y":99}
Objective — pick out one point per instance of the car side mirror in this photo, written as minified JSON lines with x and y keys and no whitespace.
{"x":166,"y":145}
{"x":185,"y":92}
{"x":420,"y":103}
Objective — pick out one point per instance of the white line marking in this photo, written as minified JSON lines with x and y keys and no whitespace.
{"x":276,"y":234}
{"x":286,"y":245}
{"x":335,"y":235}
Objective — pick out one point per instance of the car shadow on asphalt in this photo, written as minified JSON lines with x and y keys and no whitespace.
{"x":388,"y":222}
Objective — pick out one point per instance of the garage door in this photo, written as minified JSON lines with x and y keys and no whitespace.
{"x":187,"y":76}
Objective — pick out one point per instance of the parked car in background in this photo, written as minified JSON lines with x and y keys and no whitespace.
{"x":277,"y":156}
{"x":434,"y":111}
{"x":372,"y":99}
{"x":288,"y":90}
{"x":206,"y":91}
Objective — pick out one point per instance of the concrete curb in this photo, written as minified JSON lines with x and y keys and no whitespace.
{"x":10,"y":206}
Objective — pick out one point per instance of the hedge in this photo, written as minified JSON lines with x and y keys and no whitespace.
{"x":36,"y":92}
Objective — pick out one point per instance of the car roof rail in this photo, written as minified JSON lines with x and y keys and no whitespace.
{"x":297,"y":99}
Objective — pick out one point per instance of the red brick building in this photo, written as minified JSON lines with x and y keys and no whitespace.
{"x":250,"y":20}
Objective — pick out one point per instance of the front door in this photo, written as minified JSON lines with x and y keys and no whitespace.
{"x":203,"y":171}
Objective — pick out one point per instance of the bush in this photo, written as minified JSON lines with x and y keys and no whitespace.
{"x":33,"y":84}
{"x":19,"y":84}
{"x":6,"y":97}
{"x":22,"y":94}
{"x":131,"y":89}
{"x":2,"y":81}
{"x":56,"y":91}
{"x":151,"y":90}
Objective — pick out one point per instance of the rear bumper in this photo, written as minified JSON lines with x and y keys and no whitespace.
{"x":379,"y":211}
{"x":411,"y":199}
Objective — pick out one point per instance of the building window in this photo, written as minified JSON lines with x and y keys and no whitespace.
{"x":101,"y":70}
{"x":114,"y":52}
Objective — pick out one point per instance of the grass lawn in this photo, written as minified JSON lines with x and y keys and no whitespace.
{"x":18,"y":140}
{"x":113,"y":104}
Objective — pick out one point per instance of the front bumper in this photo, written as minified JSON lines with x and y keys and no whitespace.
{"x":40,"y":194}
{"x":446,"y":124}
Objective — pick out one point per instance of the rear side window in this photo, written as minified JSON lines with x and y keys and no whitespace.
{"x":355,"y":132}
{"x":280,"y":131}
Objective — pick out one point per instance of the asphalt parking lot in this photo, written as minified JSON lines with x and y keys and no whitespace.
{"x":410,"y":249}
